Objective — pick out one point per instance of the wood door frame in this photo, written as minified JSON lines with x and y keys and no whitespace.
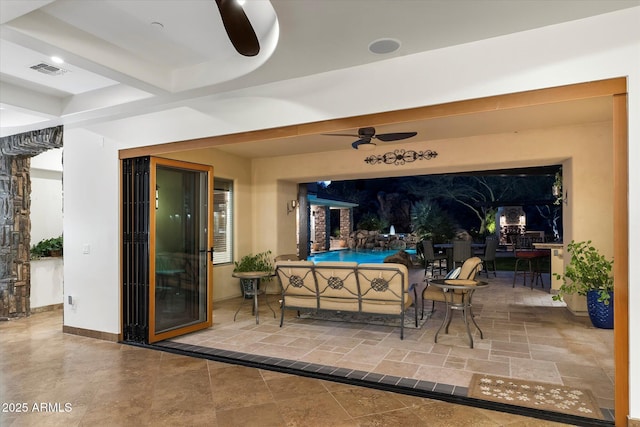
{"x":158,"y":161}
{"x":614,"y":87}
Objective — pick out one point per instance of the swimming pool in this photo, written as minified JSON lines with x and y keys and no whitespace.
{"x":359,"y":256}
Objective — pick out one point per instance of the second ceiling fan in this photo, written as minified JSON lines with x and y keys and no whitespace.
{"x":366,"y":135}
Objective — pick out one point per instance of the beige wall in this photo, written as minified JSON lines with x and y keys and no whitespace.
{"x":263,"y":186}
{"x":584,"y":150}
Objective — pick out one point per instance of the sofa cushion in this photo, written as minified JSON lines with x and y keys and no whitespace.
{"x":382,"y":284}
{"x":296,"y":278}
{"x":337,"y":280}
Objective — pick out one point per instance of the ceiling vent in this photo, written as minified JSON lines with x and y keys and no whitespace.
{"x":48,"y":69}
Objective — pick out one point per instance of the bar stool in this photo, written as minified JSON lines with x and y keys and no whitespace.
{"x":532,"y":260}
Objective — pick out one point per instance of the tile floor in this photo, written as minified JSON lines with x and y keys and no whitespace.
{"x":527,"y":335}
{"x":66,"y":380}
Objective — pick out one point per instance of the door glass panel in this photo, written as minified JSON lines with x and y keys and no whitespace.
{"x":181,"y":248}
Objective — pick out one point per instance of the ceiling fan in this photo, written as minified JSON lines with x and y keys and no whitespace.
{"x":369,"y":133}
{"x":238,"y":27}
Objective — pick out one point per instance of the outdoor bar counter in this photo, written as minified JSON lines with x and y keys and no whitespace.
{"x":557,"y":262}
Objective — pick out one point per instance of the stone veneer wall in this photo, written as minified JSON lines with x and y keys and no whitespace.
{"x":346,"y":219}
{"x":320,"y":236}
{"x":15,"y":229}
{"x":15,"y":223}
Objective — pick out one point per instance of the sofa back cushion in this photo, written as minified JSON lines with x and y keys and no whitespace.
{"x":337,"y":279}
{"x":296,"y":278}
{"x":384,"y":287}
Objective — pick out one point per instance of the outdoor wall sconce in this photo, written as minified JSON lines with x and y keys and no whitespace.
{"x":291,"y":206}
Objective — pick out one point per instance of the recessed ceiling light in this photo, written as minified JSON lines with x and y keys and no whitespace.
{"x":57,"y":60}
{"x":383,"y":46}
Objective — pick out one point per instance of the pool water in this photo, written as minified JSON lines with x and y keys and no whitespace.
{"x":359,"y":256}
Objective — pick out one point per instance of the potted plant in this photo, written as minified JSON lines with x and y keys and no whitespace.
{"x":340,"y":240}
{"x":47,"y":248}
{"x":589,"y":273}
{"x":251,"y":263}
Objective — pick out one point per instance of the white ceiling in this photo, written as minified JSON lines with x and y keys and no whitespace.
{"x":116,"y":60}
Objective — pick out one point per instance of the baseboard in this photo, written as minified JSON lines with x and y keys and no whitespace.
{"x":51,"y":307}
{"x":105,"y":336}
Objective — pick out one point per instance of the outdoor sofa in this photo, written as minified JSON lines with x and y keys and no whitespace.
{"x":345,"y":287}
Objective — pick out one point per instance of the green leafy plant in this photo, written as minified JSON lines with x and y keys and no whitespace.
{"x":47,"y":247}
{"x":429,"y":221}
{"x":588,"y":270}
{"x":371,"y":222}
{"x":257,"y":262}
{"x":557,"y":188}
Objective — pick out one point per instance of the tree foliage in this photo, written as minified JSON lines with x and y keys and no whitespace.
{"x":429,"y":221}
{"x":469,"y":201}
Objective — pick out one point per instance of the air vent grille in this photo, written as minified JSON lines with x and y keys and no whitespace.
{"x":48,"y":69}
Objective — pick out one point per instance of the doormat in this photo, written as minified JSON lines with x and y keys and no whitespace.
{"x":532,"y":394}
{"x":370,"y":319}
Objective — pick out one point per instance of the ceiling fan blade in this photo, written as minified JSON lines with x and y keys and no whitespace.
{"x":395,"y":136}
{"x":239,"y":29}
{"x":341,"y":134}
{"x":360,"y":142}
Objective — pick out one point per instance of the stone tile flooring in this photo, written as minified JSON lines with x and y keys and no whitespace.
{"x":87,"y":382}
{"x":527,"y":335}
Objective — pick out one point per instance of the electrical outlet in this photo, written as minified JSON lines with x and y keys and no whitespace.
{"x":86,"y":249}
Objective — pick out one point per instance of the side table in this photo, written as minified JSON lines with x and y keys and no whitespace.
{"x":460,"y":300}
{"x":255,"y":277}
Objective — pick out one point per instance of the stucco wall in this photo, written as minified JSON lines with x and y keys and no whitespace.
{"x":585,"y":149}
{"x":596,"y":48}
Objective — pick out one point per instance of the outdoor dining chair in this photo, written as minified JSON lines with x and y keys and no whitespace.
{"x":489,"y":255}
{"x":461,"y":251}
{"x":433,"y":261}
{"x":468,"y":271}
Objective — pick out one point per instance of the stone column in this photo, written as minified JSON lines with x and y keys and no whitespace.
{"x":15,"y":223}
{"x":346,"y":220}
{"x":15,"y":226}
{"x":321,"y":227}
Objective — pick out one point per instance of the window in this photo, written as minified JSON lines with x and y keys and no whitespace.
{"x":222,"y":221}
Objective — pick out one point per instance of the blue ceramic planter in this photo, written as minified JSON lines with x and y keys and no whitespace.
{"x":601,"y":315}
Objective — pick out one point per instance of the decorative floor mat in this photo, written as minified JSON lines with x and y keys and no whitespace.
{"x":533,"y":394}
